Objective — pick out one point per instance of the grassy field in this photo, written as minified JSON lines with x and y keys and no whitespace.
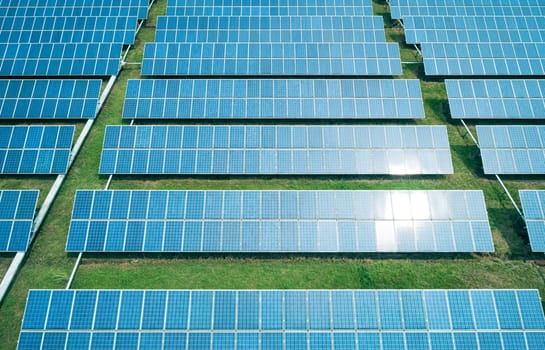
{"x":48,"y":266}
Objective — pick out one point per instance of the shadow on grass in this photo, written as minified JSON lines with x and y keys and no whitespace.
{"x":471,"y":158}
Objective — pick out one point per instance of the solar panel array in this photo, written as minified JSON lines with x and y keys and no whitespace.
{"x":46,"y":99}
{"x":264,"y":150}
{"x":41,"y":29}
{"x":16,"y":217}
{"x":35,"y":149}
{"x":277,"y":319}
{"x":273,"y":99}
{"x":533,"y":206}
{"x":512,"y":149}
{"x":279,"y":221}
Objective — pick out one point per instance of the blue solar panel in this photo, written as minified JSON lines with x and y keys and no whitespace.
{"x":16,"y":217}
{"x":68,"y":29}
{"x":299,"y":319}
{"x":271,"y":59}
{"x":533,"y":206}
{"x":474,"y":29}
{"x":267,"y":8}
{"x":484,"y":58}
{"x":49,"y":99}
{"x":273,"y":99}
{"x":276,"y":150}
{"x":496,"y":99}
{"x":302,"y":29}
{"x":512,"y":149}
{"x":35,"y":149}
{"x":60,"y":59}
{"x":279,"y":221}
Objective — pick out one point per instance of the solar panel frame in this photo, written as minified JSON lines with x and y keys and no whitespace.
{"x":273,"y":99}
{"x":513,"y":149}
{"x":496,"y":98}
{"x":49,"y":99}
{"x":279,"y":221}
{"x":297,"y":318}
{"x":17,"y":208}
{"x":193,"y":150}
{"x":35,"y":149}
{"x":170,"y":59}
{"x":533,"y":204}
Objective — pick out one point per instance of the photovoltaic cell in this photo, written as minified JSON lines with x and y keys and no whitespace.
{"x":287,"y":29}
{"x":273,"y":99}
{"x":512,"y":149}
{"x":279,"y":221}
{"x":276,"y":150}
{"x":35,"y":149}
{"x":49,"y":99}
{"x":271,"y":59}
{"x":87,"y":59}
{"x":16,"y":217}
{"x":496,"y":99}
{"x":301,"y":319}
{"x":62,"y":29}
{"x":533,"y":206}
{"x":484,"y":58}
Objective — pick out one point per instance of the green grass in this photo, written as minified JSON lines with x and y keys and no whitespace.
{"x":48,"y":266}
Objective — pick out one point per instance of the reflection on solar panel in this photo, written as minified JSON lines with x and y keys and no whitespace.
{"x":484,"y":58}
{"x":496,"y":99}
{"x":283,"y":319}
{"x":59,"y":99}
{"x":270,"y":29}
{"x":85,"y":8}
{"x":512,"y":149}
{"x":268,"y":8}
{"x":423,"y":8}
{"x":276,"y":150}
{"x":279,"y":221}
{"x":16,"y":216}
{"x":59,"y":59}
{"x":533,"y":206}
{"x":271,"y":59}
{"x":474,"y":29}
{"x":273,"y":99}
{"x":35,"y":149}
{"x":68,"y":29}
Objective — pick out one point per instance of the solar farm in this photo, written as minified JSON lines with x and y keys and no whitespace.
{"x":279,"y":174}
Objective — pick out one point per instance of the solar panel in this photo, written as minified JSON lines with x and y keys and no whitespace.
{"x":277,"y":319}
{"x":273,"y":99}
{"x":302,"y":29}
{"x":275,"y":150}
{"x":268,"y":8}
{"x":35,"y":149}
{"x":88,"y":59}
{"x":533,"y":206}
{"x":16,"y":216}
{"x":45,"y":99}
{"x":496,"y":99}
{"x":68,"y":29}
{"x":279,"y":221}
{"x":271,"y":59}
{"x":512,"y":149}
{"x":474,"y":29}
{"x":484,"y":58}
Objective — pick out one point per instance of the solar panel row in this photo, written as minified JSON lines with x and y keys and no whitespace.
{"x":279,"y":221}
{"x":35,"y":149}
{"x":533,"y":206}
{"x":496,"y":99}
{"x":274,"y":319}
{"x":68,"y":29}
{"x":16,"y":216}
{"x":273,"y":99}
{"x":45,"y":99}
{"x":276,"y":150}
